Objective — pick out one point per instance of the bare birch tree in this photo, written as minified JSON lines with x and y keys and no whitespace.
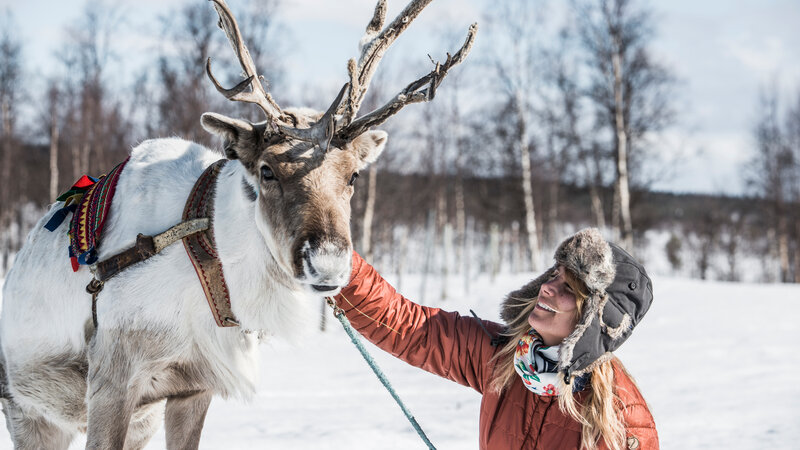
{"x":11,"y":91}
{"x":95,"y":131}
{"x":793,"y":142}
{"x":52,"y":123}
{"x":91,"y":38}
{"x":191,"y":34}
{"x":771,"y":175}
{"x":631,"y":92}
{"x":565,"y":123}
{"x":518,"y":74}
{"x":192,"y":38}
{"x":371,"y":101}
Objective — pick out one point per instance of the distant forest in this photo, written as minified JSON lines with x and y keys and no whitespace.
{"x":518,"y":149}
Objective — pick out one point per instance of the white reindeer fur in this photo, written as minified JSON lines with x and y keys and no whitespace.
{"x":46,"y":308}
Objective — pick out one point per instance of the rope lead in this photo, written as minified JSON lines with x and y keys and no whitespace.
{"x":339,"y":314}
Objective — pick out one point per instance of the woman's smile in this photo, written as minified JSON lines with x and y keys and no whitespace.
{"x":546,"y":307}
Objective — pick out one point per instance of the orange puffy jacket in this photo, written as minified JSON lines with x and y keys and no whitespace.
{"x":455,"y":347}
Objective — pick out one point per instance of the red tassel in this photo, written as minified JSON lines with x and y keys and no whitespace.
{"x":84,"y":182}
{"x":74,"y":262}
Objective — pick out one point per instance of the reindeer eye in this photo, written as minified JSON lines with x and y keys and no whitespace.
{"x":266,"y":173}
{"x":353,"y":179}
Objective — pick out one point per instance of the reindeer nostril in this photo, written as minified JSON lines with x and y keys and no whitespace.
{"x":323,"y":288}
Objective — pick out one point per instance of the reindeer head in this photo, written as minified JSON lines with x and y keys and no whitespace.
{"x":302,"y":164}
{"x":302,"y":194}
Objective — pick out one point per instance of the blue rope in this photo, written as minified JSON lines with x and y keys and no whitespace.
{"x":339,"y":314}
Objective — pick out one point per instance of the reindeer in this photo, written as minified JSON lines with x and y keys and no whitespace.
{"x":281,"y":230}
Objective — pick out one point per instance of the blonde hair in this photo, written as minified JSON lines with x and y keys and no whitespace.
{"x":599,"y":415}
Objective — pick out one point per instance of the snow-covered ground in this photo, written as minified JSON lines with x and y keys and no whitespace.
{"x":718,"y":362}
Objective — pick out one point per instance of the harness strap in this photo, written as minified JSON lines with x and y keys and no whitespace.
{"x":202,"y":248}
{"x":197,"y":235}
{"x":146,"y":247}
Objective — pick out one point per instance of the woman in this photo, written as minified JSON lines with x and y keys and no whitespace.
{"x":548,"y":377}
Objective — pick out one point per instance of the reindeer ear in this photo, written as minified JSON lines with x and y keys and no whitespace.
{"x":232,"y":131}
{"x":369,"y":145}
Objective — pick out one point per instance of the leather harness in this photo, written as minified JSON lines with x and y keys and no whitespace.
{"x":196,"y":232}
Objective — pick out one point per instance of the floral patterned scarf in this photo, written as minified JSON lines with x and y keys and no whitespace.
{"x":536,"y":364}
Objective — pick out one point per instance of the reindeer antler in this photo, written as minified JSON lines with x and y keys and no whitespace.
{"x":257,"y":94}
{"x":374,"y":44}
{"x":421,"y":90}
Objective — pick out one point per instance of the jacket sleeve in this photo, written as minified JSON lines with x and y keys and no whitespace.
{"x":440,"y":342}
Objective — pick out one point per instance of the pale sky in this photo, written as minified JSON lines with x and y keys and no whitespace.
{"x":723,"y":52}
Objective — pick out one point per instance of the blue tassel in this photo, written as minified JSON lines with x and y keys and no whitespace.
{"x":581,"y":382}
{"x":59,"y":216}
{"x":88,"y":257}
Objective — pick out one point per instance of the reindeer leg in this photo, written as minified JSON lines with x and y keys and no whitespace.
{"x":144,"y":424}
{"x":110,"y":402}
{"x":109,"y":415}
{"x":184,"y":420}
{"x":33,"y":432}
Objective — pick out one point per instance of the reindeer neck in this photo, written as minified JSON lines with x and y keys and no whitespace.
{"x":239,"y":242}
{"x":251,"y":272}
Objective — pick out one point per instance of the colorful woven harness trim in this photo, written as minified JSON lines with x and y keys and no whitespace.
{"x":89,"y":200}
{"x":202,"y":249}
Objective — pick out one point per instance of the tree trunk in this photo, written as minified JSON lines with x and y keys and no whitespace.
{"x":731,"y":247}
{"x":429,"y":254}
{"x":516,"y":251}
{"x":797,"y":253}
{"x":770,"y":270}
{"x":400,"y":248}
{"x":22,"y":226}
{"x":494,"y":251}
{"x":84,"y":155}
{"x":783,"y":246}
{"x":442,"y":237}
{"x":369,"y":213}
{"x":6,"y":196}
{"x":527,"y":189}
{"x":553,"y":213}
{"x":448,"y":250}
{"x":597,"y":207}
{"x":5,"y":141}
{"x":461,"y":226}
{"x":53,"y":157}
{"x":530,"y":213}
{"x":469,"y":233}
{"x":622,"y":156}
{"x":76,"y":160}
{"x":615,"y":214}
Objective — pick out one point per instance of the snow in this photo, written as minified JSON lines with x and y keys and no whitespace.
{"x":717,"y":362}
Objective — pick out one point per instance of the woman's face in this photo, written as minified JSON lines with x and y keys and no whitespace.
{"x":556,"y":313}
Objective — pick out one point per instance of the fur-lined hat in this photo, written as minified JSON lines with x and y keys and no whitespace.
{"x":620,"y":293}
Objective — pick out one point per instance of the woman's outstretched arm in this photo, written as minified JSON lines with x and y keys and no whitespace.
{"x":437,"y":341}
